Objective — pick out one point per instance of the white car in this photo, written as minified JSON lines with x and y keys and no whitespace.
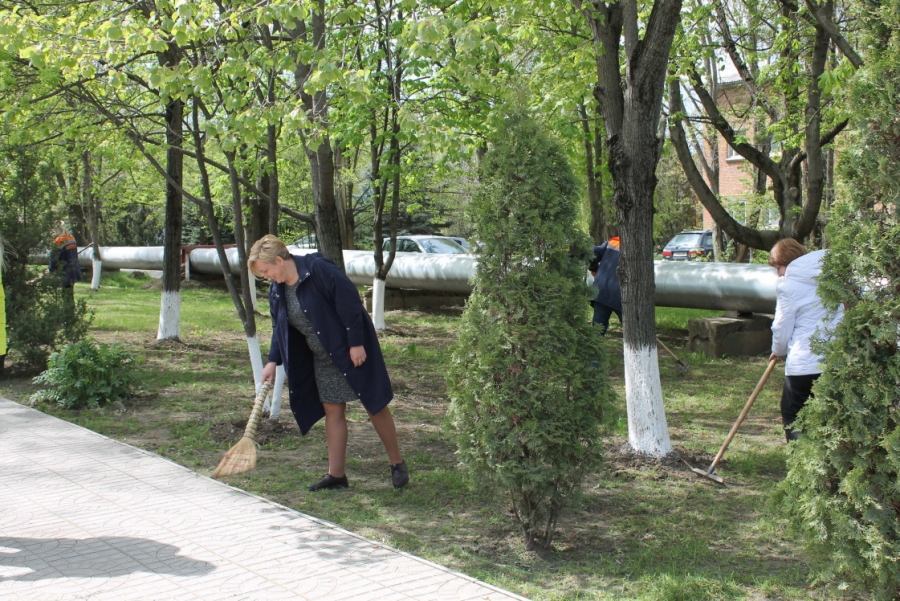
{"x":426,"y":244}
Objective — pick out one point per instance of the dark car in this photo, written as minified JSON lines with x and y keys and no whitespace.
{"x":689,"y":245}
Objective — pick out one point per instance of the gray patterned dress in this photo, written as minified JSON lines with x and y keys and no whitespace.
{"x":333,"y":386}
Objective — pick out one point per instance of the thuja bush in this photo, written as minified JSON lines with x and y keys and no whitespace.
{"x":527,"y":382}
{"x":842,"y":490}
{"x":86,"y":374}
{"x":42,"y":316}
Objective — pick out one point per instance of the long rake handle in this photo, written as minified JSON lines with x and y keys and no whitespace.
{"x":744,"y":412}
{"x":256,"y":412}
{"x":665,"y":348}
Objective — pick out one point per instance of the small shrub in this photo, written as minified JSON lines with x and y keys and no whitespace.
{"x":87,"y":374}
{"x":42,"y":316}
{"x":527,"y":383}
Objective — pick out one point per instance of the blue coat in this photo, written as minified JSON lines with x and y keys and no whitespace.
{"x":607,"y":282}
{"x":64,"y":259}
{"x":332,"y":304}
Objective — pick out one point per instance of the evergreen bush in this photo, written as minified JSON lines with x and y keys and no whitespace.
{"x":86,"y":374}
{"x":40,"y":316}
{"x":527,"y":382}
{"x":842,"y":490}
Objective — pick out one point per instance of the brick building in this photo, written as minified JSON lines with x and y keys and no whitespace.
{"x":735,"y":172}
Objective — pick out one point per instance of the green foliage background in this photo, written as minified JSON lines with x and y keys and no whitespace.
{"x":527,"y":382}
{"x":843,"y":487}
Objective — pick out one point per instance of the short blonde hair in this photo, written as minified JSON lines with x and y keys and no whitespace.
{"x":785,"y":251}
{"x":266,"y":249}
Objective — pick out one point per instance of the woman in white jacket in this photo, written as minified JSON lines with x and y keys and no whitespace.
{"x":799,"y":315}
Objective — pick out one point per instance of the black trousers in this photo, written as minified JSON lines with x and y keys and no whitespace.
{"x":796,"y":391}
{"x":602,"y":313}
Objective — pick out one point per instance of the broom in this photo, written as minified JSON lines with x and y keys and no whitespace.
{"x":242,"y":457}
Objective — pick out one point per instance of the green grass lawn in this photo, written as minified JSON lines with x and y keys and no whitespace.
{"x":640,"y":531}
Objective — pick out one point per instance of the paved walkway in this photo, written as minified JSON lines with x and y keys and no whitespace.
{"x":86,"y":517}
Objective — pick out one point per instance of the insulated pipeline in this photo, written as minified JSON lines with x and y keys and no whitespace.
{"x":696,"y":285}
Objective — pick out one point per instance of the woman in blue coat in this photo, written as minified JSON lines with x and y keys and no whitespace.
{"x":325,"y":339}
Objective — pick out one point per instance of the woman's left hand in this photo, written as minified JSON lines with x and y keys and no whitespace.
{"x":357,"y":355}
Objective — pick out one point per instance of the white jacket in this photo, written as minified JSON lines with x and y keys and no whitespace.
{"x":799,"y":315}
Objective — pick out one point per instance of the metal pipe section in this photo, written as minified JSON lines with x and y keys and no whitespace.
{"x":716,"y":286}
{"x":442,"y":273}
{"x":692,"y":285}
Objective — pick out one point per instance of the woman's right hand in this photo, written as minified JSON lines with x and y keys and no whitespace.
{"x":268,"y":372}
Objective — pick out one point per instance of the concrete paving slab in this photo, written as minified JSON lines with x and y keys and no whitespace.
{"x":83,"y":516}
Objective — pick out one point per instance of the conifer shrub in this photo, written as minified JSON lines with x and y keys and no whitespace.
{"x":41,"y":317}
{"x":527,"y":382}
{"x":842,"y":491}
{"x":86,"y":374}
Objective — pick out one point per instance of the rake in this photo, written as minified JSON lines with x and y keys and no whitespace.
{"x":684,"y":366}
{"x":242,"y":457}
{"x":712,"y":467}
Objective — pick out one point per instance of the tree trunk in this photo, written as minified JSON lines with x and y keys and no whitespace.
{"x":318,"y":148}
{"x":344,"y":200}
{"x":593,"y":154}
{"x":247,"y":316}
{"x":328,"y":225}
{"x":170,"y":306}
{"x":258,"y":220}
{"x":274,"y":189}
{"x":630,"y":100}
{"x":647,"y":428}
{"x":89,"y":201}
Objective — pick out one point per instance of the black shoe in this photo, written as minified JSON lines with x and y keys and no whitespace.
{"x":792,"y":435}
{"x":399,"y":474}
{"x":329,"y":482}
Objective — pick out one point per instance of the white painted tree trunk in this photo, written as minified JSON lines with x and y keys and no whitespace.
{"x":169,"y":316}
{"x":256,"y":361}
{"x":97,"y":266}
{"x":378,"y":304}
{"x":273,"y":403}
{"x":253,"y":298}
{"x":648,"y":432}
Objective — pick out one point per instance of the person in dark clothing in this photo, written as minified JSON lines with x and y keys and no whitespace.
{"x":609,"y":294}
{"x":64,"y":264}
{"x":325,"y":339}
{"x":64,"y":259}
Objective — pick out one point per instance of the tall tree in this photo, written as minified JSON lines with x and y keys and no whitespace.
{"x":631,"y":61}
{"x":312,"y":76}
{"x":784,"y":96}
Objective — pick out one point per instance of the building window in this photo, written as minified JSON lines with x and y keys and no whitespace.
{"x":730,"y":153}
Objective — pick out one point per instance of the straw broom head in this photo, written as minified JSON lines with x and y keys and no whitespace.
{"x":242,"y":457}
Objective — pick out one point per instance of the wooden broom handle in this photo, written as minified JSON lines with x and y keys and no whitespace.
{"x":743,"y":414}
{"x":253,"y":422}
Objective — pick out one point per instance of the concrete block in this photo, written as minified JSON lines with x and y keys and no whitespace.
{"x":730,"y":336}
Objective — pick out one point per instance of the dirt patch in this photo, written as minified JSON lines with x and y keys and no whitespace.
{"x":267,"y":431}
{"x":620,"y":460}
